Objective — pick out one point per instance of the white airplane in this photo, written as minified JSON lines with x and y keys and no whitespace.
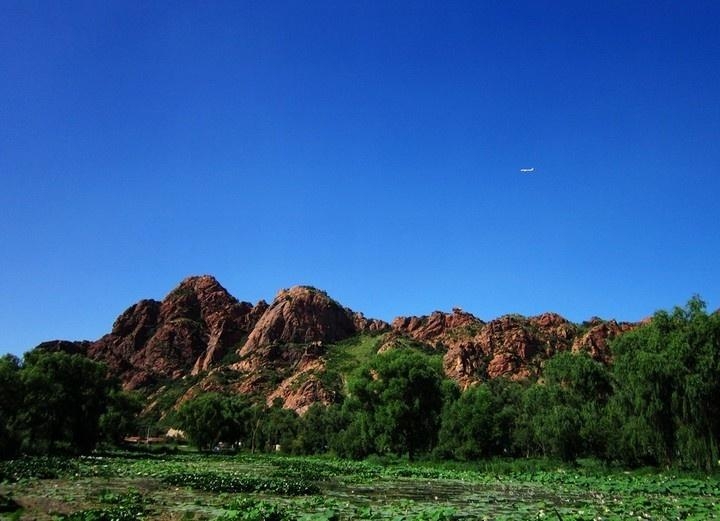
{"x":527,"y":170}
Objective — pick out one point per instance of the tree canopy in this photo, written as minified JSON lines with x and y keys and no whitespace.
{"x":667,"y":384}
{"x":398,"y":397}
{"x":53,"y":402}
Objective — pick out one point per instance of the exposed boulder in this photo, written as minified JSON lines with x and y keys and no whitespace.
{"x":438,"y":326}
{"x":595,"y":341}
{"x":368,"y":325}
{"x":300,"y":315}
{"x":302,"y":389}
{"x":290,"y":342}
{"x":506,"y":346}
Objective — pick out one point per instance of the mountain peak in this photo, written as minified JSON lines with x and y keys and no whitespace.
{"x":196,"y":324}
{"x":301,"y":314}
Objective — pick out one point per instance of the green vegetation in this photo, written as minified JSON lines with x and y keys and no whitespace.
{"x":239,"y":482}
{"x":211,"y":418}
{"x":480,"y":422}
{"x":667,"y":378}
{"x":346,"y":357}
{"x":104,"y":514}
{"x":206,"y":487}
{"x":56,"y":403}
{"x":44,"y":467}
{"x":395,"y":403}
{"x":250,"y":509}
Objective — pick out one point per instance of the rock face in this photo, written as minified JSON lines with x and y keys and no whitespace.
{"x":303,"y":388}
{"x":512,"y":346}
{"x":595,"y":340}
{"x":301,"y":315}
{"x":290,"y":341}
{"x":439,"y":326}
{"x":190,"y":330}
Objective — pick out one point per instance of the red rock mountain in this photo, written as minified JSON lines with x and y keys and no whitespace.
{"x":192,"y":328}
{"x":281,"y":350}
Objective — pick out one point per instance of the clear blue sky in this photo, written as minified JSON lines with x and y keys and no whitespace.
{"x":371,"y":149}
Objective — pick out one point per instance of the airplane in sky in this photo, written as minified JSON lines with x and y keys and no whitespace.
{"x":527,"y":170}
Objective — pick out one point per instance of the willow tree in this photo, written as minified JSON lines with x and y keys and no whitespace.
{"x":398,"y":398}
{"x":667,"y":384}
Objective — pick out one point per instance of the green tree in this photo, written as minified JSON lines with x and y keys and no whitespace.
{"x":10,"y":402}
{"x":212,"y":417}
{"x":480,"y":422}
{"x":121,"y":417}
{"x":468,"y":425}
{"x":317,"y":429}
{"x":586,"y":388}
{"x":585,"y":378}
{"x":64,"y":397}
{"x":400,"y":396}
{"x":353,"y":439}
{"x":548,"y":425}
{"x":561,"y":415}
{"x":278,"y":428}
{"x":667,"y":381}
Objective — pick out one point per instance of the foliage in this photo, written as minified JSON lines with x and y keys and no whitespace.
{"x":124,"y":507}
{"x":480,"y":422}
{"x":53,"y":402}
{"x":274,"y":427}
{"x":120,"y":419}
{"x":45,"y":467}
{"x":237,"y":482}
{"x":211,"y":418}
{"x":389,"y":488}
{"x":345,"y":357}
{"x":665,"y":409}
{"x":63,"y":399}
{"x":317,"y":429}
{"x":113,"y":513}
{"x":160,"y":412}
{"x":250,"y":509}
{"x":397,"y":400}
{"x":561,"y":416}
{"x":11,"y":394}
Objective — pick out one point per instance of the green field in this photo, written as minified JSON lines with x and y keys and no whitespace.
{"x":128,"y":486}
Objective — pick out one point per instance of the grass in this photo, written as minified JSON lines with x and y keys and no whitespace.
{"x":345,"y":357}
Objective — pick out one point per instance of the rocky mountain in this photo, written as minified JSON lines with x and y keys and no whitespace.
{"x":203,"y":337}
{"x":189,"y":331}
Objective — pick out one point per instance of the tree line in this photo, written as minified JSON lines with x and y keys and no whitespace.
{"x":57,"y":403}
{"x":655,"y":404}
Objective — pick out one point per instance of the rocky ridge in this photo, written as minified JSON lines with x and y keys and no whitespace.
{"x":511,"y":346}
{"x":281,"y":350}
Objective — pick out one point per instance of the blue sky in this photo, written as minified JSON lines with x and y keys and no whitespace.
{"x":371,"y":149}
